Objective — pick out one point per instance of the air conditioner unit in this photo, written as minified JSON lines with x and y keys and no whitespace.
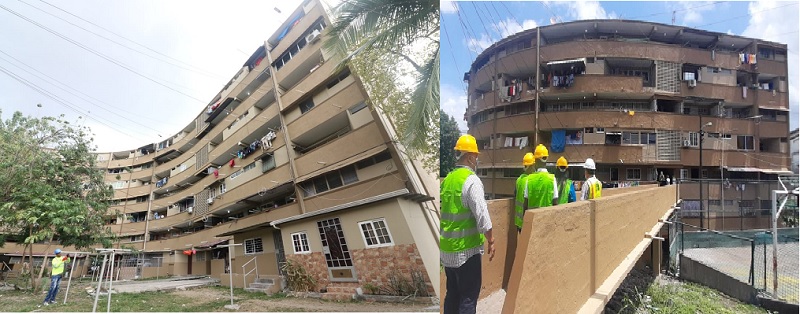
{"x":211,"y":200}
{"x":686,"y":143}
{"x":313,"y":37}
{"x":190,"y":209}
{"x":692,"y":83}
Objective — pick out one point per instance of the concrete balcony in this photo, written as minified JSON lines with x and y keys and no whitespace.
{"x":302,"y":25}
{"x":770,"y":129}
{"x":184,"y":193}
{"x":158,"y":225}
{"x":259,"y":219}
{"x":132,"y":192}
{"x":772,"y":67}
{"x":739,"y":159}
{"x":183,"y":242}
{"x":322,"y":112}
{"x":622,"y":86}
{"x":766,"y":99}
{"x":489,"y":100}
{"x":300,"y":65}
{"x":262,"y":183}
{"x":130,"y":208}
{"x":349,"y":146}
{"x":309,"y":83}
{"x":354,"y":192}
{"x":731,"y":94}
{"x":509,"y":125}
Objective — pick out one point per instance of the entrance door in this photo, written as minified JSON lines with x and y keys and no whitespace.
{"x":279,"y":254}
{"x":189,"y":270}
{"x":337,"y":255}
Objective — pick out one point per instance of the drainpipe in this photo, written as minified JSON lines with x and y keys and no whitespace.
{"x":287,"y":143}
{"x":538,"y":81}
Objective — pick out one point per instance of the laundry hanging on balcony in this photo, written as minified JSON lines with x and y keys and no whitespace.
{"x":161,"y":182}
{"x":266,"y":140}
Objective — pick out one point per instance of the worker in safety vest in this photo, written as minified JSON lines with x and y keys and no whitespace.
{"x":520,"y":199}
{"x":592,"y":187}
{"x":464,"y":226}
{"x":566,"y":190}
{"x":541,"y":185}
{"x":55,"y":276}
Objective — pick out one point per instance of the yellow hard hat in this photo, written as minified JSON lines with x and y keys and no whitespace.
{"x":562,"y":162}
{"x":540,"y":152}
{"x":467,"y":143}
{"x":527,"y":160}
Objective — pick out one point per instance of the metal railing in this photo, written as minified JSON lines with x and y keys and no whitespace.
{"x":244,"y":274}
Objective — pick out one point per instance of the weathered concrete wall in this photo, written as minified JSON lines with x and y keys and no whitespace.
{"x":697,"y":272}
{"x":567,"y":252}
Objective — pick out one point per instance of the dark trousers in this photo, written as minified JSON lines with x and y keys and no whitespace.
{"x":463,"y":287}
{"x":53,"y":292}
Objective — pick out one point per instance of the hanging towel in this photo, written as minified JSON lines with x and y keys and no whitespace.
{"x":523,"y":143}
{"x":509,"y":142}
{"x":752,"y":59}
{"x":744,"y":91}
{"x":741,"y":58}
{"x":558,"y":141}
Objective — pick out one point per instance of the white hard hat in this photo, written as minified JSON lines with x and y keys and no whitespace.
{"x":589,"y":164}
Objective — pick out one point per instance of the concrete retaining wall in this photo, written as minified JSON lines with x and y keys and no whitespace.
{"x":695,"y":271}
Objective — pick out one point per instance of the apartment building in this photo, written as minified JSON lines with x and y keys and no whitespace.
{"x":793,"y":143}
{"x":635,"y":96}
{"x":289,"y":161}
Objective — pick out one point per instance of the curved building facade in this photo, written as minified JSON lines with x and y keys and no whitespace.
{"x":634,"y":96}
{"x":289,"y":161}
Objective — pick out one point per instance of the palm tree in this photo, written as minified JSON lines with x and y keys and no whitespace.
{"x":391,"y":26}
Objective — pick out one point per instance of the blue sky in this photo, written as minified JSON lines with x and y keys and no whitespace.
{"x":470,"y":27}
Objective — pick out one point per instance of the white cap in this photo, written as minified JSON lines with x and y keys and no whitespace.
{"x":589,"y":164}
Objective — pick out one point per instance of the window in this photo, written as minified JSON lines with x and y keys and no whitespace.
{"x":694,"y":139}
{"x":614,"y":174}
{"x":744,"y":142}
{"x":512,"y":172}
{"x":375,"y":233}
{"x":714,"y":203}
{"x":200,"y":256}
{"x":574,"y":137}
{"x":119,"y":184}
{"x":633,"y":174}
{"x":385,"y":155}
{"x":704,"y":174}
{"x":329,"y":181}
{"x":306,"y":105}
{"x":338,"y":79}
{"x":137,"y":238}
{"x":267,"y":163}
{"x":357,"y":107}
{"x":300,"y":243}
{"x":242,"y":171}
{"x":222,"y":188}
{"x":253,"y":246}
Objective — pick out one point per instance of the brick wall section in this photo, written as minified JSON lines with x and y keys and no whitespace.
{"x":315,"y":265}
{"x":376,"y":266}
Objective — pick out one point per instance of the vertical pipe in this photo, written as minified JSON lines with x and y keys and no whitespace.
{"x":752,"y":263}
{"x":69,"y":281}
{"x":538,"y":81}
{"x":775,"y":212}
{"x":110,"y":282}
{"x":99,"y":283}
{"x":765,"y":265}
{"x":230,"y":270}
{"x":700,"y":173}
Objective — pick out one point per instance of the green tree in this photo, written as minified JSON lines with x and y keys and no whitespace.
{"x":52,"y":190}
{"x":448,"y":128}
{"x":393,"y":27}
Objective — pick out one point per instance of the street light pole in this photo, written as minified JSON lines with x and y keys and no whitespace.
{"x":702,"y":133}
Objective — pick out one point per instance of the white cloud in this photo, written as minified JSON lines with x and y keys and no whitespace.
{"x":692,"y":13}
{"x":480,"y":44}
{"x":454,"y":103}
{"x":583,"y":10}
{"x":499,"y":30}
{"x":769,"y":23}
{"x":448,"y":7}
{"x":510,"y":27}
{"x":729,"y":32}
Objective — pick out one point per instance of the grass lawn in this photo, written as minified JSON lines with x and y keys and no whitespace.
{"x":672,"y":296}
{"x":203,"y":299}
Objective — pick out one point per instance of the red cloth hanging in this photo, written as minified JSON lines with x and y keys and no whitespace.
{"x":232,"y":163}
{"x":216,"y":173}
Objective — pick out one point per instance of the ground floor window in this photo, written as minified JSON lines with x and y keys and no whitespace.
{"x":300,"y":243}
{"x":253,"y":246}
{"x":376,"y":233}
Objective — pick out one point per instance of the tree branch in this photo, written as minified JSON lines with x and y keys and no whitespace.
{"x":414,"y":64}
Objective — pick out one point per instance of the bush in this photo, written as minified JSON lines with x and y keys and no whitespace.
{"x":297,"y":279}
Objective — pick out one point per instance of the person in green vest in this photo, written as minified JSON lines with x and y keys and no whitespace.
{"x":592,"y":187}
{"x":520,"y":199}
{"x":56,"y":272}
{"x":464,"y":227}
{"x":541,"y":187}
{"x":566,"y":190}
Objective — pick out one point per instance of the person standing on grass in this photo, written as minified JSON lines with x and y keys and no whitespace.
{"x":464,"y":226}
{"x":55,"y":277}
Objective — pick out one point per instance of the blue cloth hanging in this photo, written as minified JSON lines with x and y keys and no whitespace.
{"x":558,"y":141}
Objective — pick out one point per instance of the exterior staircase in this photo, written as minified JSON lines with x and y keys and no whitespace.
{"x":265,"y":284}
{"x":341,"y":291}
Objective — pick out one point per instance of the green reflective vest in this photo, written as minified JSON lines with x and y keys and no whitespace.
{"x":540,"y":189}
{"x":519,"y":200}
{"x":563,"y":191}
{"x":58,"y":265}
{"x":458,"y":227}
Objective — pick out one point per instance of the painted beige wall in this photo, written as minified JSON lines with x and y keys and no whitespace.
{"x":267,"y":261}
{"x":390,"y":210}
{"x":427,"y":240}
